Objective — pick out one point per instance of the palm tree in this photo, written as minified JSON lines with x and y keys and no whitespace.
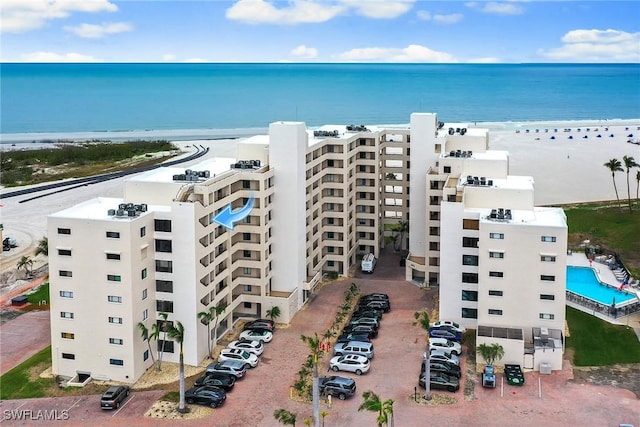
{"x":614,"y":166}
{"x":629,"y":162}
{"x":144,"y":333}
{"x":155,"y":333}
{"x":323,"y":414}
{"x":637,"y":185}
{"x":402,"y":227}
{"x":273,"y":313}
{"x":285,"y":417}
{"x":26,"y":263}
{"x":422,"y":319}
{"x":373,"y":403}
{"x":216,"y":311}
{"x":490,"y":352}
{"x":43,"y":247}
{"x":176,"y":333}
{"x":206,"y":317}
{"x":316,"y":353}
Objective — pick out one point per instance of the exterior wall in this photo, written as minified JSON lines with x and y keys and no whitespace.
{"x":513,"y":350}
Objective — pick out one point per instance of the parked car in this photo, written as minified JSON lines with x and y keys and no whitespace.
{"x":447,"y":333}
{"x":360,"y":329}
{"x":354,"y":337}
{"x":375,"y":296}
{"x":445,"y":345}
{"x":256,"y":335}
{"x":250,"y":360}
{"x":231,"y":367}
{"x":205,"y":395}
{"x":350,"y":363}
{"x":378,"y":304}
{"x":365,"y":321}
{"x":449,"y":324}
{"x":488,"y":377}
{"x":255,"y":347}
{"x":440,"y":381}
{"x":266,"y":324}
{"x":368,"y":312}
{"x":225,"y":382}
{"x":440,"y":355}
{"x":114,"y":396}
{"x":450,"y":369}
{"x":337,"y":386}
{"x":354,"y":347}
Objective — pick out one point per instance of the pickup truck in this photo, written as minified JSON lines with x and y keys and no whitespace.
{"x":514,"y":374}
{"x":488,"y":377}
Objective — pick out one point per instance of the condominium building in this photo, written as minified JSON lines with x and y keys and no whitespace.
{"x":319,"y":200}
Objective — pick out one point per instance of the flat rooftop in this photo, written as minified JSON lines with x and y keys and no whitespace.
{"x":98,"y":209}
{"x":215,"y":166}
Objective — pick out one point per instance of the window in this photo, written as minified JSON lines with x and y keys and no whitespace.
{"x":547,"y":278}
{"x":246,"y":184}
{"x":246,"y":288}
{"x":548,"y":297}
{"x":247,"y":305}
{"x":469,"y":260}
{"x":434,"y":215}
{"x":164,"y":286}
{"x":330,"y":249}
{"x":66,"y":315}
{"x":470,"y":313}
{"x":114,"y":278}
{"x":493,"y":293}
{"x":548,"y":239}
{"x":64,"y":252}
{"x":117,"y":341}
{"x":64,"y":231}
{"x":145,"y":314}
{"x":163,"y":245}
{"x":547,"y":316}
{"x":496,"y":255}
{"x":330,"y":235}
{"x":144,"y":294}
{"x":143,"y":231}
{"x":469,"y":277}
{"x":113,"y":235}
{"x":162,"y":225}
{"x":495,"y":312}
{"x":116,"y":362}
{"x":143,"y":273}
{"x":246,"y":253}
{"x":470,"y":242}
{"x":166,"y":346}
{"x":113,"y":256}
{"x":330,"y":162}
{"x":246,"y":236}
{"x":434,"y":246}
{"x":113,"y":298}
{"x":469,"y":295}
{"x":496,"y":274}
{"x":447,"y":169}
{"x":471,"y":224}
{"x":68,"y":335}
{"x":547,"y":258}
{"x":164,"y":306}
{"x":247,"y":271}
{"x":65,"y":273}
{"x":434,"y":231}
{"x":69,"y":356}
{"x":145,"y":355}
{"x":164,"y":266}
{"x":496,"y":236}
{"x":66,"y":294}
{"x":116,"y":320}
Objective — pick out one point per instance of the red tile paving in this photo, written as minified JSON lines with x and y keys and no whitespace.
{"x":23,"y":337}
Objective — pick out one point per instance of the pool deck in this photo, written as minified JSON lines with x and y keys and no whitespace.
{"x":579,"y":259}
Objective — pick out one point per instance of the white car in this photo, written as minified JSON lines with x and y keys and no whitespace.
{"x":445,"y":345}
{"x":257,"y":335}
{"x":249,"y":359}
{"x":449,"y":324}
{"x":255,"y":347}
{"x":350,"y":363}
{"x":441,"y":356}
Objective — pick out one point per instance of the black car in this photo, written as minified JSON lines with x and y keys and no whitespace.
{"x":206,"y":395}
{"x":225,"y":382}
{"x":368,"y":312}
{"x":380,"y":305}
{"x":114,"y":396}
{"x":443,"y":367}
{"x":360,"y":329}
{"x":337,"y":386}
{"x":445,"y":332}
{"x":370,"y":321}
{"x":375,"y":296}
{"x":440,"y":381}
{"x":260,"y":324}
{"x":364,"y":337}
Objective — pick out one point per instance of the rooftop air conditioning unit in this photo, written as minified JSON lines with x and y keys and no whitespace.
{"x":544,"y":332}
{"x":131,"y":212}
{"x":120,"y":212}
{"x":111,"y":212}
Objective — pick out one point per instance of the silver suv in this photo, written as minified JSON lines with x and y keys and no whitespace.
{"x":354,"y":347}
{"x":231,"y":367}
{"x":337,"y":386}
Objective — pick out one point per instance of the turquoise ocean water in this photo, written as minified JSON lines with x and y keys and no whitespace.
{"x":123,"y":97}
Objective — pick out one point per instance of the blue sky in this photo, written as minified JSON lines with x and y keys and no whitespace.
{"x":319,"y":31}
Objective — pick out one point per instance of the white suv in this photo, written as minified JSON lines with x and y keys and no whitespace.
{"x":445,"y":345}
{"x":239,"y":355}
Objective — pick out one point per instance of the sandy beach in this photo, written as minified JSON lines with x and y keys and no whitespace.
{"x":565,"y":170}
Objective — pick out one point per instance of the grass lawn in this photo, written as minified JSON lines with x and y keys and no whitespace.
{"x":23,"y":381}
{"x":598,"y":343}
{"x":41,"y":294}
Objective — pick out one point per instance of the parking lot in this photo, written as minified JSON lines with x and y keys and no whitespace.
{"x":552,"y":400}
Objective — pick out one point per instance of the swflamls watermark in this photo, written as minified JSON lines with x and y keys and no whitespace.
{"x":35,"y":415}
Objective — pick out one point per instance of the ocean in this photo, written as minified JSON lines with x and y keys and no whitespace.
{"x":229,"y":99}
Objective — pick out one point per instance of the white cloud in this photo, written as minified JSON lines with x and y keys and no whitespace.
{"x":168,"y":57}
{"x":196,"y":60}
{"x":304,"y":52}
{"x":19,"y":16}
{"x":453,"y":18}
{"x":57,"y":57}
{"x":596,"y":46}
{"x":379,"y":9}
{"x":411,"y":53}
{"x":296,"y":12}
{"x":497,"y":8}
{"x":92,"y":31}
{"x":423,"y":15}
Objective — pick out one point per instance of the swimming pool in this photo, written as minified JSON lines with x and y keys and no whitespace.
{"x":583,"y":281}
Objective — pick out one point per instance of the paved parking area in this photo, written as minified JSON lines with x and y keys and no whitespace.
{"x":23,"y":337}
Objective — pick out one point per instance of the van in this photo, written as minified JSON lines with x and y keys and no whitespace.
{"x":368,"y":263}
{"x":359,"y":348}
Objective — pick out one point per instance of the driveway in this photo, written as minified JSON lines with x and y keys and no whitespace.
{"x":23,"y":337}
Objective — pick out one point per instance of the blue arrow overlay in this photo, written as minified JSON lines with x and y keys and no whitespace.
{"x":227,"y":217}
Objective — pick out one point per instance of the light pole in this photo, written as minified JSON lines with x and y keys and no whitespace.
{"x":427,"y":374}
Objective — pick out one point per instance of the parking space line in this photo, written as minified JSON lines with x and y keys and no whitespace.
{"x":75,"y":404}
{"x":3,"y":418}
{"x":122,"y":407}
